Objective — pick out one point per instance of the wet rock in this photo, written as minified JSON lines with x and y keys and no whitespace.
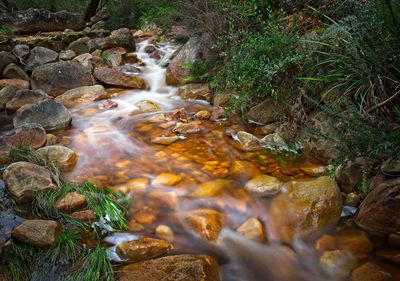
{"x":118,"y":78}
{"x":13,"y":71}
{"x":267,"y":112}
{"x":147,"y":106}
{"x":21,"y":51}
{"x":268,"y":129}
{"x":352,"y":199}
{"x":390,"y":255}
{"x":355,"y":241}
{"x":248,"y":141}
{"x":25,"y":97}
{"x":79,"y":46}
{"x":130,"y":58}
{"x":124,"y":38}
{"x":39,"y":233}
{"x":71,"y":202}
{"x":306,"y":205}
{"x":326,"y":243}
{"x":391,"y":167}
{"x":143,"y":249}
{"x":114,"y":56}
{"x":63,"y":157}
{"x":48,"y":113}
{"x":134,"y":185}
{"x":165,"y":140}
{"x":264,"y":186}
{"x":166,"y":179}
{"x":370,"y":272}
{"x":187,"y":128}
{"x":7,"y":93}
{"x":108,"y":104}
{"x":23,"y":179}
{"x":173,"y":268}
{"x":32,"y":135}
{"x":88,"y":216}
{"x":212,"y":188}
{"x":5,"y":59}
{"x":273,"y":141}
{"x":349,"y":174}
{"x":66,"y":55}
{"x":59,"y":77}
{"x":217,"y":114}
{"x":207,"y":223}
{"x":195,"y":91}
{"x":82,"y":95}
{"x":315,"y":171}
{"x":203,"y":115}
{"x":243,"y":170}
{"x":164,"y":232}
{"x":338,"y":263}
{"x":159,"y":118}
{"x":23,"y":84}
{"x":40,"y":56}
{"x":252,"y":229}
{"x":379,"y":211}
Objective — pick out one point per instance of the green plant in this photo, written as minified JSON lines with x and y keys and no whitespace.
{"x":18,"y":270}
{"x":199,"y":72}
{"x":158,"y":16}
{"x":5,"y":30}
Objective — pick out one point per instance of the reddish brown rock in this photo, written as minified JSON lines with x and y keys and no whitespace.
{"x":143,"y":249}
{"x":40,"y":233}
{"x":32,"y":135}
{"x":23,"y":84}
{"x":117,"y":78}
{"x":370,"y":272}
{"x":71,"y":202}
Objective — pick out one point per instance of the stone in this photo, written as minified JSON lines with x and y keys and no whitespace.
{"x":143,"y":249}
{"x":23,"y":179}
{"x":158,"y":118}
{"x":118,"y":78}
{"x":7,"y":93}
{"x":71,"y":202}
{"x":217,"y":114}
{"x":326,"y":243}
{"x":40,"y":56}
{"x":391,"y":167}
{"x":87,"y":216}
{"x":21,"y":51}
{"x":207,"y":223}
{"x":130,"y":58}
{"x":82,"y":95}
{"x":393,"y":241}
{"x":268,"y":129}
{"x":195,"y":91}
{"x":264,"y":186}
{"x":99,"y":25}
{"x":165,"y":140}
{"x":25,"y":97}
{"x":273,"y":141}
{"x":248,"y":141}
{"x":66,"y":55}
{"x":63,"y":157}
{"x":86,"y":60}
{"x":132,"y":186}
{"x":212,"y":188}
{"x":352,"y":200}
{"x":32,"y":135}
{"x":164,"y":232}
{"x":166,"y":179}
{"x":390,"y":255}
{"x":203,"y":115}
{"x":102,"y":43}
{"x":58,"y":77}
{"x":173,"y":268}
{"x":5,"y":59}
{"x":187,"y":128}
{"x":379,"y":211}
{"x":124,"y":38}
{"x":145,"y":106}
{"x":269,"y":111}
{"x":39,"y":233}
{"x":48,"y":113}
{"x":243,"y":170}
{"x":306,"y":205}
{"x":13,"y":71}
{"x":350,"y":173}
{"x":23,"y":84}
{"x":370,"y":272}
{"x":355,"y":241}
{"x":314,"y":171}
{"x":252,"y":229}
{"x":338,"y":263}
{"x":79,"y":46}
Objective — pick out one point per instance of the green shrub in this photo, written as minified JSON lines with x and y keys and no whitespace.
{"x":156,"y":16}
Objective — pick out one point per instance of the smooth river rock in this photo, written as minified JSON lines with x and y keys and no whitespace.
{"x":39,"y":233}
{"x":82,"y":95}
{"x":32,"y":135}
{"x":263,"y":186}
{"x":25,"y":97}
{"x":115,"y":77}
{"x":63,"y":157}
{"x":40,"y":56}
{"x":143,"y":249}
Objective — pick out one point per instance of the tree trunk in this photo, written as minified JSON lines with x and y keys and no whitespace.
{"x":91,"y":9}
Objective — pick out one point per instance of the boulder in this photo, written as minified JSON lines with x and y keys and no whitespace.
{"x":40,"y":20}
{"x":23,"y":179}
{"x":391,"y":167}
{"x":252,"y":229}
{"x":338,"y":263}
{"x":115,"y":77}
{"x":124,"y":38}
{"x":66,"y":55}
{"x":21,"y":51}
{"x":48,"y":113}
{"x":164,"y":232}
{"x":378,"y":213}
{"x":267,"y":112}
{"x":7,"y":93}
{"x":306,"y":205}
{"x":102,"y":43}
{"x":243,"y":170}
{"x":145,"y":106}
{"x":58,"y":77}
{"x":195,"y":91}
{"x":143,"y":249}
{"x":273,"y":141}
{"x":264,"y":186}
{"x":82,"y":95}
{"x":5,"y":59}
{"x":32,"y":135}
{"x":248,"y":141}
{"x":173,"y":268}
{"x":79,"y":46}
{"x":13,"y":71}
{"x":39,"y":233}
{"x":25,"y":97}
{"x":351,"y":173}
{"x":187,"y":128}
{"x":23,"y":84}
{"x":70,"y":202}
{"x":63,"y":157}
{"x":85,"y":60}
{"x":40,"y":56}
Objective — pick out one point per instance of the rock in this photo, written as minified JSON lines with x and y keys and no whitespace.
{"x":352,"y":200}
{"x":187,"y":128}
{"x":21,"y":51}
{"x":130,"y":58}
{"x":23,"y":179}
{"x":71,"y":202}
{"x":99,"y":25}
{"x":108,"y":104}
{"x":5,"y":59}
{"x":59,"y":77}
{"x":267,"y":112}
{"x":102,"y":43}
{"x":203,"y":115}
{"x":165,"y":140}
{"x":166,"y":179}
{"x":48,"y":113}
{"x":391,"y":167}
{"x":23,"y":84}
{"x":143,"y":249}
{"x":196,"y":51}
{"x":134,"y":185}
{"x":7,"y":93}
{"x":252,"y":229}
{"x":243,"y":170}
{"x":82,"y":95}
{"x":63,"y":157}
{"x":51,"y":139}
{"x":379,"y":211}
{"x":370,"y":272}
{"x":355,"y":241}
{"x":39,"y":233}
{"x":212,"y":188}
{"x":217,"y":114}
{"x":248,"y":141}
{"x":118,"y":78}
{"x":390,"y":255}
{"x":25,"y":97}
{"x":315,"y":171}
{"x":264,"y":186}
{"x":158,"y":118}
{"x":393,"y":241}
{"x":85,"y":60}
{"x":195,"y":91}
{"x":40,"y":56}
{"x":207,"y":223}
{"x":145,"y":106}
{"x":32,"y":135}
{"x":338,"y":263}
{"x":124,"y":38}
{"x":173,"y":268}
{"x":66,"y":55}
{"x":79,"y":46}
{"x":165,"y":232}
{"x":273,"y":141}
{"x":306,"y":205}
{"x":326,"y":243}
{"x":40,"y":20}
{"x":87,"y":216}
{"x":13,"y":71}
{"x":349,"y":174}
{"x":268,"y":129}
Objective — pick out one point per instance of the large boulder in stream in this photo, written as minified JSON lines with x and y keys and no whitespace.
{"x":58,"y":77}
{"x":32,"y":135}
{"x":116,"y":77}
{"x":82,"y":95}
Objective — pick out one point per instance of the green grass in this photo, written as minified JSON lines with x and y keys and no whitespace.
{"x":18,"y":270}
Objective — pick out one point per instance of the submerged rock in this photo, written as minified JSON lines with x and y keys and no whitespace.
{"x":166,"y":179}
{"x":252,"y":229}
{"x":116,"y":77}
{"x":143,"y":249}
{"x":248,"y":141}
{"x":187,"y":128}
{"x":147,"y":106}
{"x":370,"y":272}
{"x":212,"y":188}
{"x":164,"y":232}
{"x":39,"y":233}
{"x":264,"y":185}
{"x":63,"y":157}
{"x":243,"y":170}
{"x":82,"y":95}
{"x":165,"y":140}
{"x":338,"y":263}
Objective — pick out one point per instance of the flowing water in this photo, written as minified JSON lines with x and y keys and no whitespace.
{"x":115,"y":148}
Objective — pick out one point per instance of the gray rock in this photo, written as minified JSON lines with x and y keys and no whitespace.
{"x":66,"y":55}
{"x":5,"y":59}
{"x":124,"y":39}
{"x":40,"y":56}
{"x":21,"y":51}
{"x":13,"y":71}
{"x":79,"y":46}
{"x":25,"y":97}
{"x":7,"y":93}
